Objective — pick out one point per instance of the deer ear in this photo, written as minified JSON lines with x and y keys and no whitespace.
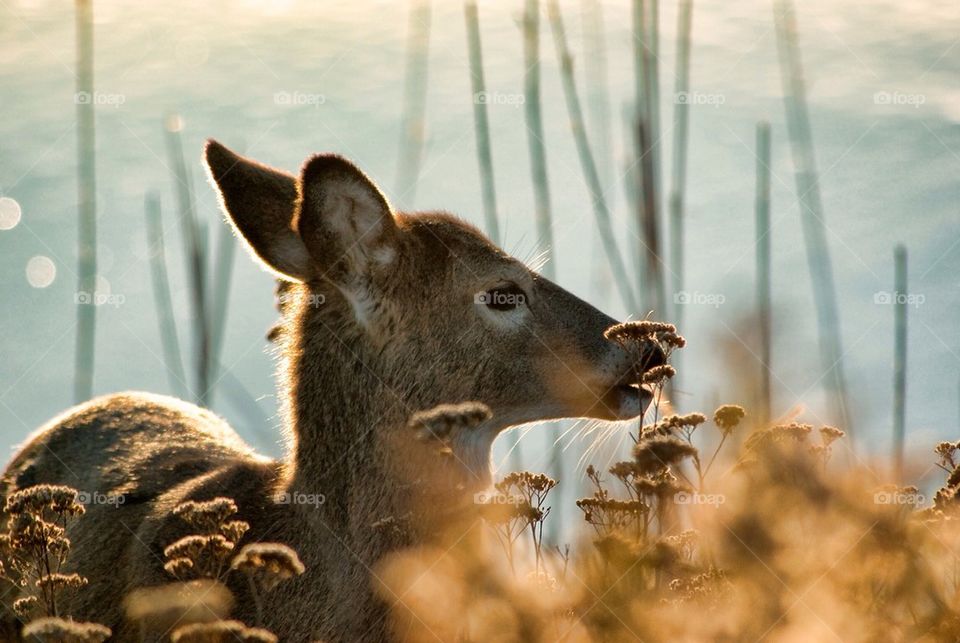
{"x":260,"y":202}
{"x":344,"y":220}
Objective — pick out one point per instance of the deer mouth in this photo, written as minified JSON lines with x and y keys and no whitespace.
{"x":628,"y":401}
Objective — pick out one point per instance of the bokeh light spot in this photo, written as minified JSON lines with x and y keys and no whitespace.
{"x":41,"y":271}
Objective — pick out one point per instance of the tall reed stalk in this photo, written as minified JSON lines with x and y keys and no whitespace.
{"x":86,"y":206}
{"x":222,"y":278}
{"x":763,"y":295}
{"x":481,"y":121}
{"x":681,"y":126}
{"x":414,"y":102}
{"x":533,"y":114}
{"x":587,"y":162}
{"x":161,"y":295}
{"x":652,"y":294}
{"x":811,"y":212}
{"x":195,"y":245}
{"x":899,"y":357}
{"x":599,"y":128}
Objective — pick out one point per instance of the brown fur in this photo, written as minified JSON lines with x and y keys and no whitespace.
{"x":398,"y":331}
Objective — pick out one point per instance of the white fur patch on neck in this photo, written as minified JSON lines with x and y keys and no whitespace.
{"x":361,"y":301}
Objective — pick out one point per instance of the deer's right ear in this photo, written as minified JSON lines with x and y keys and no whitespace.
{"x":260,"y":202}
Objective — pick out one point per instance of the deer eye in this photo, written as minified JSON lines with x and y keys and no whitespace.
{"x":504,"y":298}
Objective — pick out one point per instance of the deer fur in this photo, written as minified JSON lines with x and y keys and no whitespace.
{"x":385,"y":314}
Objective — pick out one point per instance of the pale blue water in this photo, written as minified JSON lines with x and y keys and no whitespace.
{"x":889,"y":175}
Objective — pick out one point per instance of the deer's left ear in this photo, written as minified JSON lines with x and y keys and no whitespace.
{"x":344,"y":220}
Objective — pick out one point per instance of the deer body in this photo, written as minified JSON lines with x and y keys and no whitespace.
{"x":386,"y":314}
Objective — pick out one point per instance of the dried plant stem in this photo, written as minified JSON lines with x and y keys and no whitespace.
{"x":899,"y":357}
{"x":646,"y":130}
{"x":86,"y":204}
{"x":481,"y":121}
{"x":194,"y":250}
{"x":222,"y":277}
{"x":763,"y":303}
{"x":414,"y":102}
{"x":811,"y":211}
{"x":681,"y":126}
{"x":535,"y":138}
{"x":161,"y":295}
{"x":587,"y":163}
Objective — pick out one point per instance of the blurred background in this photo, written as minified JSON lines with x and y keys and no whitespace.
{"x":281,"y":80}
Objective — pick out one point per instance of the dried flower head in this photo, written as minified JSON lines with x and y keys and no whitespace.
{"x":661,"y":451}
{"x":206,"y":516}
{"x":830,"y":434}
{"x":658,"y":374}
{"x":221,"y":631}
{"x":728,"y":416}
{"x":268,"y":563}
{"x":35,"y":500}
{"x":59,"y":630}
{"x":166,"y":606}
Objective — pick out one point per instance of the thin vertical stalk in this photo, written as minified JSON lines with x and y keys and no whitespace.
{"x":414,"y":102}
{"x":681,"y":126}
{"x":194,"y":245}
{"x":811,"y":212}
{"x":587,"y":163}
{"x":652,"y":293}
{"x":161,"y":295}
{"x":763,"y":303}
{"x":599,"y":126}
{"x":481,"y":121}
{"x":535,"y":138}
{"x":222,"y":277}
{"x":899,"y":356}
{"x":86,"y":205}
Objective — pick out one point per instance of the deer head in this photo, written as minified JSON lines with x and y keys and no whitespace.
{"x":392,"y":313}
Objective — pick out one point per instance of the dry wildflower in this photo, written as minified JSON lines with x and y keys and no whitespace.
{"x":727,"y":417}
{"x":658,"y":452}
{"x":234,"y":530}
{"x":268,"y":563}
{"x":947,"y":452}
{"x":161,"y":608}
{"x":58,"y":582}
{"x":830,"y":434}
{"x":207,"y":554}
{"x":658,"y":374}
{"x":221,"y":631}
{"x":26,"y":607}
{"x":59,"y":630}
{"x":36,"y":500}
{"x":637,"y":331}
{"x":207,"y":517}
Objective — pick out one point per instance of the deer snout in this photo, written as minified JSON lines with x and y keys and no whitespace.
{"x":627,"y":397}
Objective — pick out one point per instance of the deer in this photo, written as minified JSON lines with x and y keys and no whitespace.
{"x":384,"y":314}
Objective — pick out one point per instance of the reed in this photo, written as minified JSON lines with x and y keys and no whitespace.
{"x":194,"y":251}
{"x":587,"y":162}
{"x":533,"y":114}
{"x":481,"y":122}
{"x":86,"y":204}
{"x":161,"y":295}
{"x":681,"y":126}
{"x":811,"y":211}
{"x":414,"y":102}
{"x":763,"y":294}
{"x":899,"y":357}
{"x":222,"y":278}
